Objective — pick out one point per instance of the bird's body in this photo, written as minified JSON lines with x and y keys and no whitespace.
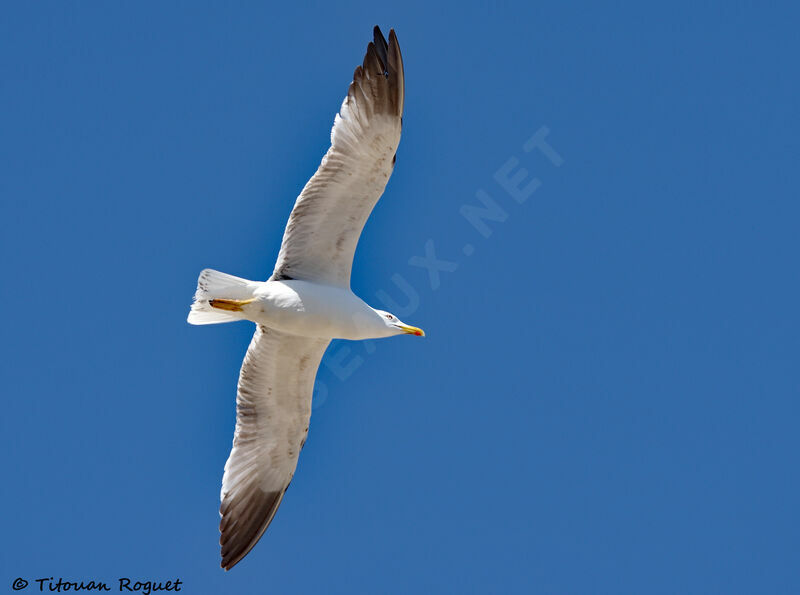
{"x":307,"y":301}
{"x":301,"y":308}
{"x":315,"y":310}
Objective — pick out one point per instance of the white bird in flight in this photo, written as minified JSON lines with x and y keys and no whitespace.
{"x":306,"y":302}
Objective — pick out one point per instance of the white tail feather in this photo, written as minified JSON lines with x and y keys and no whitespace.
{"x":216,"y":285}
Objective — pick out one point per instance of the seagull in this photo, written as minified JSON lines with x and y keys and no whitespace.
{"x":306,"y":302}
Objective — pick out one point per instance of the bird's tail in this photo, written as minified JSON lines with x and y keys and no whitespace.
{"x":219,"y":298}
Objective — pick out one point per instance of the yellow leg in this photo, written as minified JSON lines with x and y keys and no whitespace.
{"x":229,"y":305}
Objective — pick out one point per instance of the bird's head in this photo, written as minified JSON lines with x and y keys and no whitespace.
{"x":395,"y":326}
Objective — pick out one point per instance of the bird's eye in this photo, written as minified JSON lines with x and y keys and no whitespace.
{"x":390,"y":317}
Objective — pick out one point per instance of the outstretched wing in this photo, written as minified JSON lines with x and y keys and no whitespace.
{"x":273,"y":407}
{"x":328,"y":216}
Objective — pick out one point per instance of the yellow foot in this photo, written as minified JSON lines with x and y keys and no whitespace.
{"x":229,"y":305}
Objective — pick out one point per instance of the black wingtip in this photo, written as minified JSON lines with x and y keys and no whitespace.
{"x":381,"y":47}
{"x":244,"y":521}
{"x":382,"y":60}
{"x":377,"y":35}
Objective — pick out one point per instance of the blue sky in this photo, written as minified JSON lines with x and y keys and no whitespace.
{"x":607,"y":398}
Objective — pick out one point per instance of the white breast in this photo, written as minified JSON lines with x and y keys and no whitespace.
{"x":309,"y":309}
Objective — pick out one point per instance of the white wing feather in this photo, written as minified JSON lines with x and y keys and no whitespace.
{"x":273,"y":407}
{"x":323,"y":229}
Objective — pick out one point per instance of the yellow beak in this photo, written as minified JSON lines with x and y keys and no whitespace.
{"x":412,"y":330}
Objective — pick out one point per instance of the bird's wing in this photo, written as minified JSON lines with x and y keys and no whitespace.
{"x":273,"y":407}
{"x":328,"y":216}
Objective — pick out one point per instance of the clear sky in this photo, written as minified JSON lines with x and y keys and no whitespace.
{"x":607,"y":400}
